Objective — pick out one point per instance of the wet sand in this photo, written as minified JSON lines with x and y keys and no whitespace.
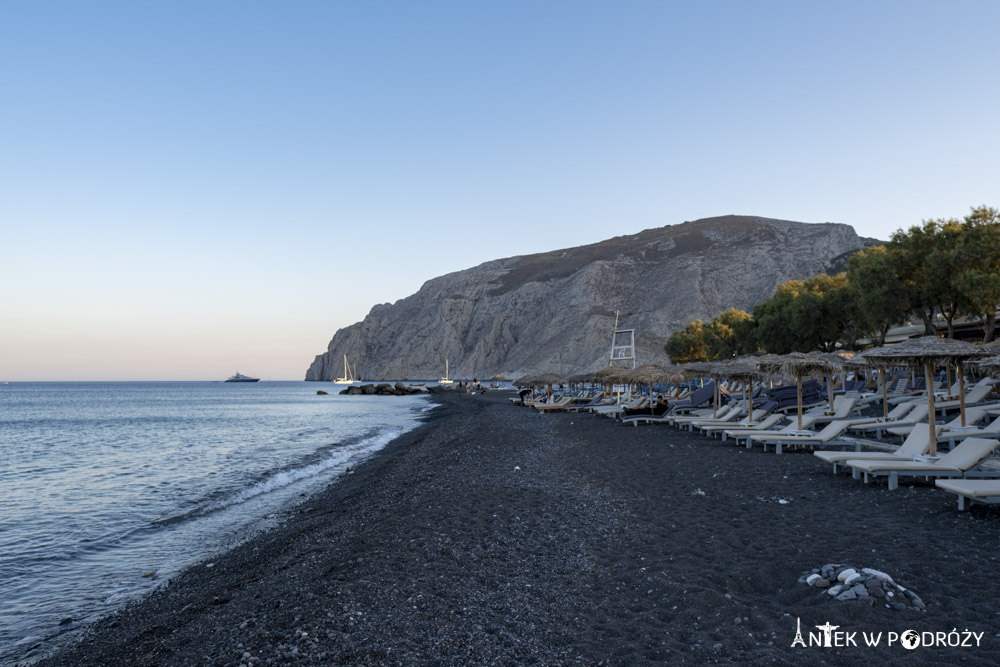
{"x":494,"y":534}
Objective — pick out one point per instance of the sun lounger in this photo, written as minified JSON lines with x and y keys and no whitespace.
{"x":917,"y":443}
{"x":729,"y":414}
{"x":951,"y":435}
{"x":762,"y":425}
{"x":743,"y":434}
{"x":959,"y":462}
{"x":828,"y":435}
{"x":972,"y":415}
{"x":561,"y":403}
{"x":986,"y":491}
{"x":915,"y":416}
{"x":842,"y":407}
{"x":754,"y":417}
{"x":898,"y":413}
{"x":615,"y":410}
{"x":597,"y":400}
{"x":699,"y":398}
{"x":975,"y":395}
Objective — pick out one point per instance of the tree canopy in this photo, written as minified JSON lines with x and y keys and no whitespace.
{"x":946,"y":268}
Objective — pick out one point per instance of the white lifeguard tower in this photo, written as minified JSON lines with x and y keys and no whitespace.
{"x":622,"y":347}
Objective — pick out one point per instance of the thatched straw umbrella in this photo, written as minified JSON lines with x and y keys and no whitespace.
{"x":710,"y":369}
{"x":989,"y":365}
{"x":800,"y":364}
{"x":650,"y":374}
{"x":548,"y":379}
{"x":860,"y":361}
{"x":525,"y":380}
{"x":791,"y":365}
{"x":743,"y":368}
{"x":929,"y":352}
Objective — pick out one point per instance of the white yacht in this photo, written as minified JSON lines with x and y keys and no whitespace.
{"x":239,"y":377}
{"x":445,"y":379}
{"x":348,"y":375}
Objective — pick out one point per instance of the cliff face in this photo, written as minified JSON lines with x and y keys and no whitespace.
{"x":555,"y":311}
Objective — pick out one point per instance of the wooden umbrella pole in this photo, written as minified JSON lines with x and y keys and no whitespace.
{"x":798,"y":393}
{"x":718,"y":397}
{"x":750,"y":394}
{"x":829,"y":386}
{"x":947,"y":383}
{"x":960,"y":371}
{"x":885,"y":394}
{"x":931,"y":425}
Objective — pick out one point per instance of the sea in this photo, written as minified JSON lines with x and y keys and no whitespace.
{"x":108,"y":489}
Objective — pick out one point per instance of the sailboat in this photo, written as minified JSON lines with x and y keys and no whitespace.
{"x":348,"y":375}
{"x":445,"y":379}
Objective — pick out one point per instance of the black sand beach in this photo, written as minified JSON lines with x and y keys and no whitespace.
{"x":496,"y":535}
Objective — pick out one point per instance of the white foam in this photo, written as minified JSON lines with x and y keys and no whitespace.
{"x":339,"y":456}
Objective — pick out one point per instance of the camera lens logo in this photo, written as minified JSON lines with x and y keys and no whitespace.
{"x":910,"y":639}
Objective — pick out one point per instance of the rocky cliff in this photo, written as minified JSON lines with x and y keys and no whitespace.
{"x":555,"y":311}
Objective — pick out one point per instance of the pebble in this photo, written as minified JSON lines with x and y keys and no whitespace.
{"x":862,"y":584}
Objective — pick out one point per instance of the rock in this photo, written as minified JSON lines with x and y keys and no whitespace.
{"x":323,"y":393}
{"x":835,"y":590}
{"x":812,"y":579}
{"x":847,"y":595}
{"x":822,"y":583}
{"x":853,"y":579}
{"x":512,"y":303}
{"x":877,"y":574}
{"x":899,"y":606}
{"x":876,"y":592}
{"x":844,"y":574}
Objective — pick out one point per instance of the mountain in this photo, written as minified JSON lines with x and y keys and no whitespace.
{"x":555,"y":311}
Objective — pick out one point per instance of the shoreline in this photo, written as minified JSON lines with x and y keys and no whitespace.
{"x":492,"y":533}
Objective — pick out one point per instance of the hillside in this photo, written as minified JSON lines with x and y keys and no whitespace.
{"x":555,"y":311}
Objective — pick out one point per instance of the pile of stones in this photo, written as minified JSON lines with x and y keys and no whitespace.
{"x":844,"y":582}
{"x":399,"y":389}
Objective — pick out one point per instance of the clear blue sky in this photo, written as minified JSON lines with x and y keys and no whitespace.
{"x":188,"y":189}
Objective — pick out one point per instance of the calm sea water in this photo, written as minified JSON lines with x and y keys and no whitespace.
{"x":102,"y":484}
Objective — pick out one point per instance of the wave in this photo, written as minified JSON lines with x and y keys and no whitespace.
{"x":336,"y":457}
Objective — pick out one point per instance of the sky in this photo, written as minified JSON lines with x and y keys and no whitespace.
{"x":190,"y":189}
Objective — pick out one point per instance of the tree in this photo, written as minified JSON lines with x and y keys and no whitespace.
{"x":884,"y":299}
{"x":776,"y":331}
{"x":979,"y":252}
{"x":815,"y":314}
{"x":688,"y":345}
{"x":731,"y":334}
{"x":727,"y":335}
{"x":910,"y":249}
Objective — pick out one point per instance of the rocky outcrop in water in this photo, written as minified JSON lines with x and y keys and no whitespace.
{"x":555,"y":311}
